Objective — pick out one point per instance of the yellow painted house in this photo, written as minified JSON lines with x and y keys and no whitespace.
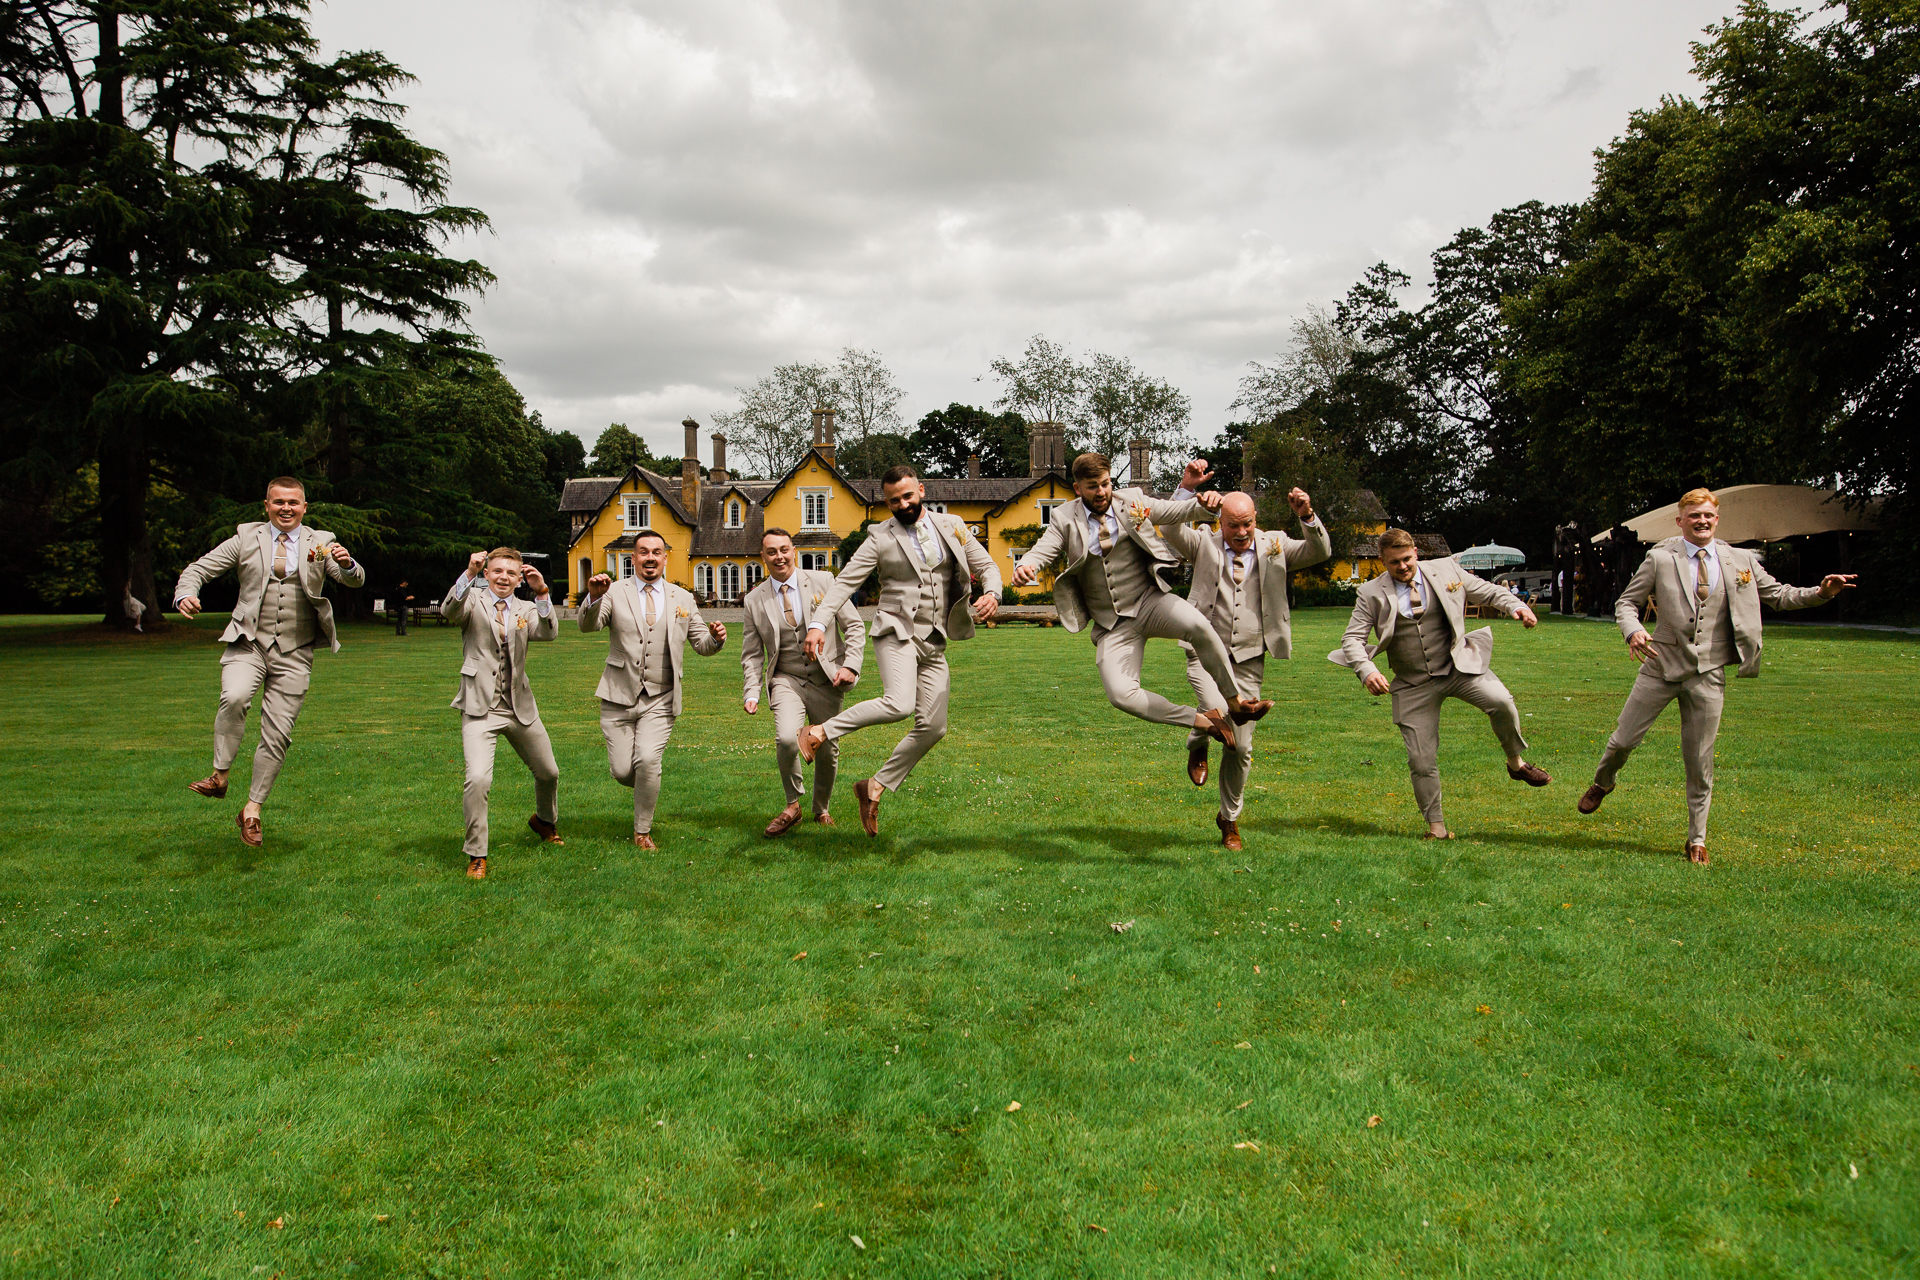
{"x":712,"y":524}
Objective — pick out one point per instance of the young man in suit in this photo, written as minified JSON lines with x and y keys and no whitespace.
{"x":1113,"y":569}
{"x":1708,"y":598}
{"x":1418,"y":609}
{"x":494,"y":697}
{"x":1240,"y":588}
{"x":926,"y":562}
{"x":800,"y":689}
{"x":651,"y":622}
{"x":283,"y":568}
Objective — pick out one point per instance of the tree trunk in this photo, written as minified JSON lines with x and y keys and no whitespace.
{"x":339,"y":437}
{"x":126,"y":542}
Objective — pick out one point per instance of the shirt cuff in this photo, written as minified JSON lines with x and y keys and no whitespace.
{"x":1183,"y":494}
{"x":460,"y":587}
{"x":543,"y":605}
{"x":815,"y":626}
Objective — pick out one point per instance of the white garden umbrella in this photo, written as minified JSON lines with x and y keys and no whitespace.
{"x":1761,"y":513}
{"x":1491,"y":556}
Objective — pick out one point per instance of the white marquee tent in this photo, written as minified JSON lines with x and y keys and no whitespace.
{"x":1762,"y":513}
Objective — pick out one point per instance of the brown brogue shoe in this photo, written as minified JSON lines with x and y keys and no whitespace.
{"x":1531,"y":774}
{"x":807,"y":742}
{"x":476,"y":868}
{"x":1697,"y":854}
{"x":1197,"y":762}
{"x":1229,"y":832}
{"x":824,"y":819}
{"x":250,"y":833}
{"x":644,"y":840}
{"x":867,"y":792}
{"x":210,"y":787}
{"x":1243,"y":711}
{"x":547,"y":831}
{"x":783,"y":821}
{"x":1218,"y":728}
{"x":1590,"y":798}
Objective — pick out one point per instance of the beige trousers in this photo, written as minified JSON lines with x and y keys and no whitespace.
{"x":1118,"y":650}
{"x":1416,"y":709}
{"x":798,"y":702}
{"x":913,"y":682}
{"x":636,"y":742}
{"x":530,"y":743}
{"x":280,"y":679}
{"x":1702,"y":698}
{"x":1235,"y":761}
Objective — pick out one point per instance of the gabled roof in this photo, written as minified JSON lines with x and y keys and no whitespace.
{"x":712,"y":537}
{"x":1027,"y":484}
{"x":588,"y":493}
{"x":939,"y":489}
{"x":834,"y":471}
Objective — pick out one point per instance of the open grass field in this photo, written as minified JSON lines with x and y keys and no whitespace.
{"x":337,"y":1056}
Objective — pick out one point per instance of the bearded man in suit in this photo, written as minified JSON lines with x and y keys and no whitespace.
{"x":926,"y":562}
{"x":1418,"y":609}
{"x":1113,"y":573}
{"x":495,"y":698}
{"x":801,"y":690}
{"x":1240,"y":588}
{"x":283,"y":568}
{"x":651,"y":622}
{"x":1707,"y":596}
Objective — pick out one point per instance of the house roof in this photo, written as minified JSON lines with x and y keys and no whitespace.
{"x":1431,"y":546}
{"x":989,"y":490}
{"x":589,"y":493}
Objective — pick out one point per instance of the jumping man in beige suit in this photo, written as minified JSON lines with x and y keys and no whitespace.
{"x":1708,"y":597}
{"x":1418,"y":609}
{"x":926,"y":562}
{"x":652,"y":622}
{"x":1240,"y":587}
{"x":801,"y":690}
{"x":1113,"y":573}
{"x":283,"y":568}
{"x":494,"y":696}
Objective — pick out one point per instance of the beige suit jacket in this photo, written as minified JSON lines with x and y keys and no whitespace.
{"x":480,"y":669}
{"x":1277,"y":554}
{"x":1665,"y":576}
{"x":1375,"y":609}
{"x":619,"y":612}
{"x":250,"y":552}
{"x":889,"y":551}
{"x":1065,"y":544}
{"x":760,"y":634}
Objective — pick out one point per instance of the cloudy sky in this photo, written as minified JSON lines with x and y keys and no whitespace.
{"x":686,"y":193}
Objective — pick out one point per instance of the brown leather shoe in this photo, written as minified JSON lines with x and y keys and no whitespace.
{"x":1697,"y":853}
{"x":1444,"y":835}
{"x":867,"y":792}
{"x":1218,"y":728}
{"x":476,"y":868}
{"x":547,"y":831}
{"x":1229,"y":832}
{"x":783,"y":822}
{"x":1531,"y":774}
{"x":1243,"y":711}
{"x":1590,"y":798}
{"x":643,"y":840}
{"x":824,"y":819}
{"x":249,"y":829}
{"x":210,"y":787}
{"x":1197,"y":763}
{"x":808,"y":740}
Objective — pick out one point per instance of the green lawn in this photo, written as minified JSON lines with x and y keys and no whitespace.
{"x":336,"y":1055}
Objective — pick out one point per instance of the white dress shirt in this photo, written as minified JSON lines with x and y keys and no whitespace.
{"x":292,"y":554}
{"x":781,"y":601}
{"x":1096,"y":521}
{"x":1249,"y":559}
{"x":931,"y":552}
{"x":658,"y":590}
{"x":1403,"y":592}
{"x":1694,"y":556}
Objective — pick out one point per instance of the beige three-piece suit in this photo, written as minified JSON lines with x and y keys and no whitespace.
{"x":1434,"y":658}
{"x":639,"y":691}
{"x":1694,"y":642}
{"x":799,"y":690}
{"x":495,"y":699}
{"x":1121,"y":588}
{"x":926,"y":572}
{"x":279,"y":615}
{"x":1246,"y":604}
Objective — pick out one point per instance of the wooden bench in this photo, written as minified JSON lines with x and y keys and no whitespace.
{"x":1044,"y":615}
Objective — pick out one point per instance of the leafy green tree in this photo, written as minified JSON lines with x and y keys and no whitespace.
{"x":873,"y":455}
{"x":945,"y":439}
{"x":619,"y":449}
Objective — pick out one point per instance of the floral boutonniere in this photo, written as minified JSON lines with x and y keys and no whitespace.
{"x":1453,"y":586}
{"x":1276,"y":550}
{"x":817,"y":598}
{"x":520,"y":624}
{"x":1745,"y":577}
{"x":682,"y":612}
{"x":316,"y":552}
{"x":1139,"y":513}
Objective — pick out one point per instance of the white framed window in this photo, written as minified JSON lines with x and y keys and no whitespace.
{"x":941,"y":507}
{"x":1046,"y":511}
{"x":729,"y":582}
{"x":586,"y":571}
{"x":755,"y":572}
{"x":639,"y":513}
{"x":733,"y":513}
{"x":818,"y":559}
{"x":620,"y":564}
{"x":813,"y":508}
{"x":703,"y":579}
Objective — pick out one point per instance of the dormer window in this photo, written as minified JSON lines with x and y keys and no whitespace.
{"x":733,"y":513}
{"x":639,"y":513}
{"x":813,"y":508}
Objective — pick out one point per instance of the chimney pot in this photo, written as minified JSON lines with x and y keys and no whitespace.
{"x":690,"y":470}
{"x":973,"y":466}
{"x":719,"y":473}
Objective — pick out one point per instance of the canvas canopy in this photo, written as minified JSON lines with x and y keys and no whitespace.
{"x":1761,"y":513}
{"x":1490,"y":556}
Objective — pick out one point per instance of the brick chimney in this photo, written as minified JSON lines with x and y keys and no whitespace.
{"x":973,"y":466}
{"x":1047,"y":447}
{"x":1137,"y":460}
{"x":690,"y":470}
{"x":719,"y":473}
{"x":823,"y":432}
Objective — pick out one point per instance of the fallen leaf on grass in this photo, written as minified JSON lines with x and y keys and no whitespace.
{"x":1246,"y":1146}
{"x":1120,"y":926}
{"x":800,"y":956}
{"x":858,"y":1243}
{"x":1373,"y":1122}
{"x":1243,"y":1106}
{"x":1481,"y":1008}
{"x":1243,"y":1045}
{"x":1013,"y":1106}
{"x":1094,"y":1226}
{"x":278,"y":1223}
{"x":1853,"y":1170}
{"x":383,"y":1217}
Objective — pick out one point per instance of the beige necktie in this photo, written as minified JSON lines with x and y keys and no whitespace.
{"x":786,"y":603}
{"x":924,"y":537}
{"x":1414,"y":602}
{"x":1239,"y":569}
{"x":506,"y":654}
{"x":1106,"y":534}
{"x":1702,"y":588}
{"x":280,"y":556}
{"x":653,"y":612}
